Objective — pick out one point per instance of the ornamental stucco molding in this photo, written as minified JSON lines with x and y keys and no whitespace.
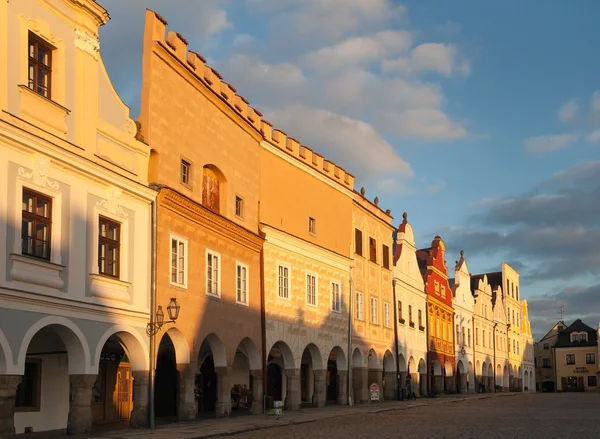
{"x":87,"y":43}
{"x":39,"y":174}
{"x":111,"y":202}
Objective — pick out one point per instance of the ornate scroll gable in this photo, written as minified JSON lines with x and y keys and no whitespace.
{"x":87,"y":43}
{"x":39,"y":174}
{"x":111,"y":203}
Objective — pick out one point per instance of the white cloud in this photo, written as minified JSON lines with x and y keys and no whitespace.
{"x":352,"y":143}
{"x":543,"y":144}
{"x":595,"y":103}
{"x":358,"y":50}
{"x":568,"y":111}
{"x":426,"y":124}
{"x":429,"y":57}
{"x":594,"y":136}
{"x":436,"y":187}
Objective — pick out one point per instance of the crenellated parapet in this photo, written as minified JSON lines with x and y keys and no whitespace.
{"x":176,"y":44}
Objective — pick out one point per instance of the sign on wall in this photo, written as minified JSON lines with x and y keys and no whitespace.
{"x":374,"y":390}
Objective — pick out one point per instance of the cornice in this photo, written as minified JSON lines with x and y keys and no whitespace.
{"x":169,"y":198}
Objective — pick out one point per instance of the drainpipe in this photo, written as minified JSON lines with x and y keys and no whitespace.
{"x":152,"y":371}
{"x":349,"y":360}
{"x":495,"y":324}
{"x":263,"y":320}
{"x":396,"y":340}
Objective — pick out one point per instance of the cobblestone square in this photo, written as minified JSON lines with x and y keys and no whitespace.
{"x":573,"y":415}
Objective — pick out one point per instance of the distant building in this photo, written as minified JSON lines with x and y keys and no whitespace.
{"x":575,"y":361}
{"x":544,"y":361}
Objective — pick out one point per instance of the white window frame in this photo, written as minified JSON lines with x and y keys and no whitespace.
{"x":239,"y":265}
{"x":360,"y":308}
{"x":336,"y":302}
{"x":242,"y":207}
{"x":316,"y":287}
{"x":219,"y":270}
{"x":179,"y":238}
{"x":386,"y":315}
{"x":374,"y":311}
{"x":289,"y":280}
{"x":312,"y":225}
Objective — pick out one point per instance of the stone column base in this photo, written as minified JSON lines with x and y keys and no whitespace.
{"x":257,"y":392}
{"x":8,"y":390}
{"x":342,"y":396}
{"x":187,"y":408}
{"x":80,"y":410}
{"x":139,"y":414}
{"x":223,"y":405}
{"x":319,"y":395}
{"x":292,"y":399}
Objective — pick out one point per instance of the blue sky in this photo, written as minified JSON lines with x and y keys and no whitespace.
{"x":479,"y":119}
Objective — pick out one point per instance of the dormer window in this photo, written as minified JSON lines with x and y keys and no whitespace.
{"x":40,"y":66}
{"x":579,"y":336}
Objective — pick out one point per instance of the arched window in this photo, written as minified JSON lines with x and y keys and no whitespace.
{"x":210,"y":189}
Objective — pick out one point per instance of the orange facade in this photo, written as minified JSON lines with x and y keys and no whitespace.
{"x":440,"y":318}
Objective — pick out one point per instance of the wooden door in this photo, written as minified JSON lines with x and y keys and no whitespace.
{"x":124,"y":391}
{"x":580,"y":385}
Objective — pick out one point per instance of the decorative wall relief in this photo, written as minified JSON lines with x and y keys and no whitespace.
{"x":39,"y":174}
{"x":111,"y":203}
{"x":87,"y":43}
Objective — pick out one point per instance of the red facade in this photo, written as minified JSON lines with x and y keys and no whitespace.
{"x":440,"y":318}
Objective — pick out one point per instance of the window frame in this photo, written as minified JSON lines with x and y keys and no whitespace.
{"x":593,"y":356}
{"x":108,"y":241}
{"x":315,"y":277}
{"x":289,"y":281}
{"x":358,"y":243}
{"x":35,"y":218}
{"x":38,"y":41}
{"x":213,"y":254}
{"x":239,"y":212}
{"x":184,"y":241}
{"x":336,"y":300}
{"x":595,"y":379}
{"x":360,"y":316}
{"x":372,"y":249}
{"x":568,"y":357}
{"x":385,"y":256}
{"x":188,"y":172}
{"x":37,"y":386}
{"x":374,"y":315}
{"x":312,"y":226}
{"x":386,"y":315}
{"x":245,"y":266}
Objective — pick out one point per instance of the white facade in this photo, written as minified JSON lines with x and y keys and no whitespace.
{"x":410,"y":296}
{"x":463,"y":326}
{"x":528,"y":362}
{"x":68,"y":161}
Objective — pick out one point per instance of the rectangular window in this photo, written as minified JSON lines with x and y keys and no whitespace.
{"x":373,"y":310}
{"x":28,"y":391}
{"x":336,"y":303}
{"x":410,"y":319}
{"x":570,"y":358}
{"x":385,"y":254}
{"x":36,"y":225}
{"x":358,"y":242}
{"x":283,"y":281}
{"x":463,"y":339}
{"x":590,"y":358}
{"x":546,"y":362}
{"x":420,"y":313}
{"x":400,"y":318}
{"x":242,"y":283}
{"x":312,"y":226}
{"x":457,"y":341}
{"x":483,"y":337}
{"x":40,"y":65}
{"x":386,"y":315}
{"x":469,"y":337}
{"x":109,"y":246}
{"x":477,"y":336}
{"x":591,"y":379}
{"x":239,"y":207}
{"x":213,"y":269}
{"x":360,"y":306}
{"x":311,"y":289}
{"x":372,"y":250}
{"x":178,"y":262}
{"x":186,"y":169}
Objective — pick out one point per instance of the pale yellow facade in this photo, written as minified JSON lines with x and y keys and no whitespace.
{"x":306,"y":271}
{"x":483,"y":333}
{"x":527,"y":350}
{"x":373,"y":302}
{"x":578,"y":374}
{"x":510,"y":279}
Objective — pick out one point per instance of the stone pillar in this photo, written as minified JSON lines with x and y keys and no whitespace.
{"x":319,"y":395}
{"x":423,"y":384}
{"x":8,"y":390}
{"x":360,"y":384}
{"x":80,"y":407}
{"x":414,"y":384}
{"x":438,"y":384}
{"x":187,"y":407}
{"x":292,"y":399}
{"x":342,"y":396}
{"x":257,"y":392}
{"x":462,"y":379}
{"x":223,"y":405}
{"x":139,"y":414}
{"x":389,"y":394}
{"x":450,"y":385}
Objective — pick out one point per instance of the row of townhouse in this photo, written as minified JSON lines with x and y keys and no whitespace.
{"x":200,"y":261}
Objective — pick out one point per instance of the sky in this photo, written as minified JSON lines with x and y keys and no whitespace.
{"x":479,"y":119}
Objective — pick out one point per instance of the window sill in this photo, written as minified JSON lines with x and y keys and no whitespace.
{"x":43,"y":112}
{"x":213,"y":296}
{"x":106,"y":287}
{"x":26,"y":409}
{"x":244,"y":304}
{"x":36,"y":271}
{"x":335,"y":311}
{"x":402,"y":321}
